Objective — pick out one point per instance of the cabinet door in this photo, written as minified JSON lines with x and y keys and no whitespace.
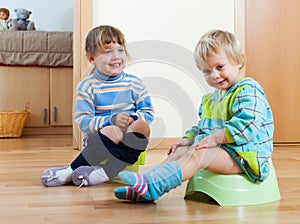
{"x":61,"y":96}
{"x":20,"y":85}
{"x":272,"y":48}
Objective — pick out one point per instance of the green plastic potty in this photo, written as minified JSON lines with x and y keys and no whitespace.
{"x":141,"y":161}
{"x":232,"y":190}
{"x":135,"y":167}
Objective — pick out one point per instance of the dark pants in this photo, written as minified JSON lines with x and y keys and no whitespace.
{"x":101,"y":151}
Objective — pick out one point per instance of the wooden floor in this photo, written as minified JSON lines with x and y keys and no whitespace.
{"x":24,"y":200}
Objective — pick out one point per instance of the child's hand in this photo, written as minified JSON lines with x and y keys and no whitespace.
{"x":122,"y":120}
{"x":212,"y":140}
{"x":130,"y":120}
{"x":179,"y":143}
{"x":206,"y":142}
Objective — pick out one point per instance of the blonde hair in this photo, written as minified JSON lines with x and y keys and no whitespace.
{"x":216,"y":40}
{"x":100,"y":36}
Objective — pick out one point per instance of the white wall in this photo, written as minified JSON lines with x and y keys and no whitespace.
{"x":161,"y":36}
{"x":53,"y":15}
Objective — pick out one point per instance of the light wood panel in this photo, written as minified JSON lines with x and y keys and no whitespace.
{"x":61,"y":97}
{"x":25,"y":200}
{"x":83,"y":23}
{"x":19,"y":85}
{"x":272,"y":44}
{"x":43,"y":88}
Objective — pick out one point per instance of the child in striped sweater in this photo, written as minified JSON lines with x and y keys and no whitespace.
{"x":113,"y":110}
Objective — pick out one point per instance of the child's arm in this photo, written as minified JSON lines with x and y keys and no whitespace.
{"x":179,"y":143}
{"x":88,"y":122}
{"x":144,"y":108}
{"x":85,"y":113}
{"x":250,"y":114}
{"x":212,"y":140}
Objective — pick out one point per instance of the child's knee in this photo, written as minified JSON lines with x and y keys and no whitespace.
{"x":113,"y":132}
{"x":197,"y":157}
{"x":140,"y":126}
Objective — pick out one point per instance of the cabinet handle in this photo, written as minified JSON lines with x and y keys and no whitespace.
{"x":45,"y":115}
{"x":54,"y":113}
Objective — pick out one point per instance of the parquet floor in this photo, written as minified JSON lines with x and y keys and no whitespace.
{"x":24,"y":200}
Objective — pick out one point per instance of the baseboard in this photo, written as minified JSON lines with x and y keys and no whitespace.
{"x":161,"y":143}
{"x":59,"y":130}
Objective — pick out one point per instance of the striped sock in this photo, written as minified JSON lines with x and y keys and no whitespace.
{"x":137,"y":182}
{"x":155,"y":182}
{"x":127,"y":193}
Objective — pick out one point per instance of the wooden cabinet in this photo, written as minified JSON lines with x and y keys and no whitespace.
{"x":19,"y":85}
{"x":272,"y":44}
{"x":61,"y":97}
{"x":48,"y":91}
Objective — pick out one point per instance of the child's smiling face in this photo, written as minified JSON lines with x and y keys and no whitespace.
{"x":219,"y":72}
{"x":111,"y":60}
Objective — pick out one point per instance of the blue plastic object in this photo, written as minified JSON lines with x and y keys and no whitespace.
{"x":232,"y":190}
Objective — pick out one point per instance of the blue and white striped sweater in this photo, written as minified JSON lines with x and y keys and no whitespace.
{"x":100,"y":97}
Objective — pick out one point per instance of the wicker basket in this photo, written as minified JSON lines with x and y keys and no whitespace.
{"x":12,"y":122}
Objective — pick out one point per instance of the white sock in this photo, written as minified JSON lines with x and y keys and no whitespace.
{"x":98,"y":176}
{"x":65,"y":174}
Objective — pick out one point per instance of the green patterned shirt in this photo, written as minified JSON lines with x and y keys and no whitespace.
{"x":245,"y":115}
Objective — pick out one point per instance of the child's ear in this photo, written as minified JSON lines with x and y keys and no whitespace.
{"x":91,"y":59}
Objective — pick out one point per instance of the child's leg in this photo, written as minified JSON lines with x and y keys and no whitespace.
{"x":215,"y":159}
{"x":154,"y":183}
{"x":87,"y":168}
{"x":129,"y":194}
{"x":57,"y":176}
{"x":89,"y":176}
{"x":163,"y":178}
{"x":136,"y":136}
{"x":94,"y":152}
{"x":179,"y":153}
{"x":118,"y":156}
{"x":134,"y":141}
{"x":141,"y":127}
